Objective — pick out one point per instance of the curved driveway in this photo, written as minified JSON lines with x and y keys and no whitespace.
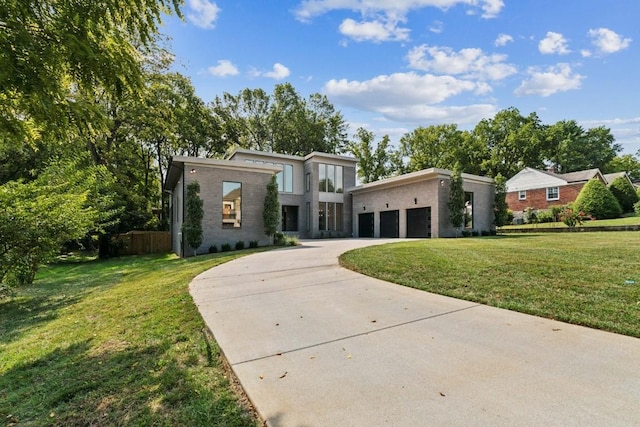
{"x":314,"y":344}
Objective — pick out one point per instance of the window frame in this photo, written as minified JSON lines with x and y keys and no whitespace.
{"x":522,"y":195}
{"x":236,"y":210}
{"x":557,"y":192}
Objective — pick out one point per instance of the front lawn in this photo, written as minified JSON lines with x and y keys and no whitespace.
{"x":590,"y":279}
{"x":117,"y":342}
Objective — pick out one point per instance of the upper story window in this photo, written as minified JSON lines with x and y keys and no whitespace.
{"x":522,"y":195}
{"x":553,"y":193}
{"x":330,"y":178}
{"x":307,"y":182}
{"x":284,"y":178}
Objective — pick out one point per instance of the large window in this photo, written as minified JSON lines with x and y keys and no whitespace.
{"x":283,"y":178}
{"x":330,"y":178}
{"x":468,"y":210}
{"x":231,"y":204}
{"x":330,"y":216}
{"x":553,"y":193}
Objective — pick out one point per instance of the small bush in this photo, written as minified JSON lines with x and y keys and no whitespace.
{"x":253,"y":244}
{"x":509,"y":217}
{"x":475,"y":233}
{"x":596,"y":200}
{"x":546,"y":216}
{"x":556,"y":211}
{"x":486,"y":233}
{"x":225,"y":247}
{"x":530,"y":216}
{"x":239,"y":245}
{"x":571,"y":217}
{"x":466,"y":233}
{"x":213,"y":249}
{"x":291,"y":241}
{"x":279,"y":239}
{"x":636,"y":208}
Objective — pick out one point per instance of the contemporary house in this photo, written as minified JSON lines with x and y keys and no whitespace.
{"x":537,"y":189}
{"x":319,"y":199}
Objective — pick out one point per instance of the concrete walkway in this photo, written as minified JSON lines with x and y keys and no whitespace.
{"x":314,"y":344}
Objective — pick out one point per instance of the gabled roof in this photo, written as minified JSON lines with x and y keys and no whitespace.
{"x":610,"y":177}
{"x":532,"y":179}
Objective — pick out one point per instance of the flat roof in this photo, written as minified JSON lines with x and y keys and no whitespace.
{"x":422,"y":175}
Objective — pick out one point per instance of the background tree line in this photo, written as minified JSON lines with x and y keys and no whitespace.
{"x":502,"y":145}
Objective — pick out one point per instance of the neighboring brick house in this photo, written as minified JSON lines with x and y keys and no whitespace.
{"x":318,"y":198}
{"x":536,"y":189}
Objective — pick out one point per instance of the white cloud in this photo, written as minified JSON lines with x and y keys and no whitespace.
{"x":608,"y":41}
{"x":470,"y":62}
{"x":376,"y":31}
{"x":203,"y":13}
{"x":223,"y":69}
{"x":553,"y":43}
{"x":558,"y":78}
{"x":503,"y":39}
{"x":585,"y":53}
{"x":436,"y":27}
{"x":409,"y":97}
{"x":309,"y":9}
{"x":279,"y":72}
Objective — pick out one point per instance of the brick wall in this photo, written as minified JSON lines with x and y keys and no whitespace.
{"x":537,"y":199}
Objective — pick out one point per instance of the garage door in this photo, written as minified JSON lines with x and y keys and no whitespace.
{"x":389,"y":224}
{"x":419,"y":222}
{"x":365,"y":225}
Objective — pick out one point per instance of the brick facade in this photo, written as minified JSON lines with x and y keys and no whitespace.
{"x":537,"y":198}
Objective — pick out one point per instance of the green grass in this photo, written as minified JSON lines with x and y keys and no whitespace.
{"x":590,"y":279}
{"x":627,"y":220}
{"x":117,"y":342}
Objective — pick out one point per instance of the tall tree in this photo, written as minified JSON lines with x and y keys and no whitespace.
{"x":53,"y":48}
{"x":192,"y":225}
{"x":432,"y":147}
{"x":456,"y":198}
{"x":512,"y":142}
{"x":500,"y":207}
{"x":373,"y":163}
{"x":570,"y":148}
{"x":626,"y":163}
{"x":271,"y":211}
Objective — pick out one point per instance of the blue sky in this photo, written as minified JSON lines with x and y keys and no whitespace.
{"x":393,"y":65}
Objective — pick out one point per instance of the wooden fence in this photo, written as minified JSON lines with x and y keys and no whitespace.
{"x":144,"y":242}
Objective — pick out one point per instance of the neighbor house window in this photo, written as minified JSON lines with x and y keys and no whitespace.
{"x":330,"y":178}
{"x":330,"y":216}
{"x":553,"y":193}
{"x":522,"y":195}
{"x":231,"y":204}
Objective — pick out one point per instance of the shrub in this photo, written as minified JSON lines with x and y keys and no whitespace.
{"x":556,"y":211}
{"x":636,"y":208}
{"x":486,"y":233}
{"x":466,"y":233}
{"x":253,"y":244}
{"x":239,"y":245}
{"x":530,"y":216}
{"x":596,"y":200}
{"x":624,"y":192}
{"x":225,"y":247}
{"x":546,"y":216}
{"x":278,"y":238}
{"x":509,"y":217}
{"x":213,"y":249}
{"x":571,"y":217}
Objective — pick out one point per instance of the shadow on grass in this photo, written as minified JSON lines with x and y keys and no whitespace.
{"x":61,"y":285}
{"x":85,"y":385}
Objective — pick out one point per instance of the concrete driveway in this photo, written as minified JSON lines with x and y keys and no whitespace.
{"x":314,"y":344}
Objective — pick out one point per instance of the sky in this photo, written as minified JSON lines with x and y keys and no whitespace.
{"x":391,"y":66}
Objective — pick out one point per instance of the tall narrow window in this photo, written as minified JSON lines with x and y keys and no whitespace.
{"x":322,"y":177}
{"x":468,"y":210}
{"x":307,"y":182}
{"x":339,"y":222}
{"x":322,"y":218}
{"x":280,"y":178}
{"x":331,"y":176}
{"x":339,"y":184}
{"x":331,"y":216}
{"x":308,"y":216}
{"x":231,"y":204}
{"x":288,"y":178}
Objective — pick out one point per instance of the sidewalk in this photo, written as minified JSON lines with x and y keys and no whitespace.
{"x":314,"y":344}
